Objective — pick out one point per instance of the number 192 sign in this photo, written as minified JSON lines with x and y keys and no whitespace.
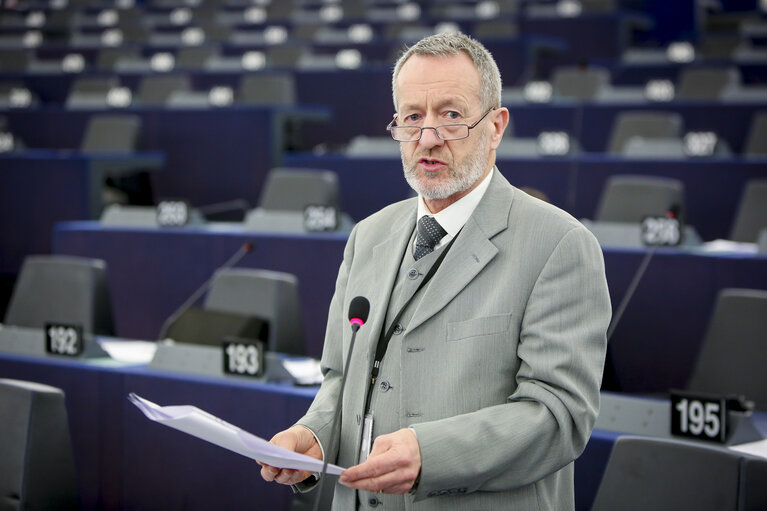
{"x":698,"y":417}
{"x":61,"y":339}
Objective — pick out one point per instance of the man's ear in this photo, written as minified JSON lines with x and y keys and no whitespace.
{"x":500,"y":120}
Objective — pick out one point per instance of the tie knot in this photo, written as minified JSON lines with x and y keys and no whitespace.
{"x":429,"y":234}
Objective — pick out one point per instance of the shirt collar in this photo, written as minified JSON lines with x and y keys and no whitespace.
{"x":453,"y":217}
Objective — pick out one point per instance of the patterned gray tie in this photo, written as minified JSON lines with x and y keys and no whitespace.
{"x":429,"y":234}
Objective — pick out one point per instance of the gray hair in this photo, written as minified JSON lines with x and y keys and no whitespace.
{"x":452,"y":43}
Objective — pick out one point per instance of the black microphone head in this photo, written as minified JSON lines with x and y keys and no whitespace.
{"x":247,"y":246}
{"x":358,"y":310}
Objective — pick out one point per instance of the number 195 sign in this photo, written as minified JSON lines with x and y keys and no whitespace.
{"x":702,"y":418}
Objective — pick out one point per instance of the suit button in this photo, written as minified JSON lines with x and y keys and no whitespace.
{"x":398,"y":329}
{"x":412,"y":274}
{"x":384,"y":386}
{"x":374,"y":502}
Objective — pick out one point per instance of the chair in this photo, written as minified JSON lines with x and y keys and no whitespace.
{"x":363,"y":146}
{"x":645,"y":125}
{"x":91,"y":92}
{"x":111,"y":133}
{"x":630,"y":198}
{"x":13,"y":61}
{"x":155,"y":90}
{"x":262,"y":89}
{"x":756,"y":144}
{"x":285,"y":56}
{"x":751,"y":216}
{"x":65,"y":289}
{"x":37,"y":469}
{"x":490,"y":29}
{"x":579,"y":83}
{"x":733,"y":355}
{"x":9,"y":141}
{"x":194,"y":58}
{"x":706,"y":83}
{"x":289,"y":189}
{"x":108,"y":57}
{"x":265,"y":294}
{"x":669,"y":475}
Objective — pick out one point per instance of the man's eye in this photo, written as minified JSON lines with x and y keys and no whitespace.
{"x":411,"y":118}
{"x":453,"y":115}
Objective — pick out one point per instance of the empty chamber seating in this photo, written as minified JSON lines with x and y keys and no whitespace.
{"x":579,"y":83}
{"x":111,"y":133}
{"x":273,"y":89}
{"x":293,"y":189}
{"x":630,"y":198}
{"x":268,"y":295}
{"x":644,"y":125}
{"x":156,"y":90}
{"x":734,"y":352}
{"x":751,"y":217}
{"x":37,"y":469}
{"x":63,"y":289}
{"x":666,"y":475}
{"x":706,"y":83}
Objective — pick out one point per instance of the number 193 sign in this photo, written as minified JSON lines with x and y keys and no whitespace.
{"x":243,"y":358}
{"x":702,"y":418}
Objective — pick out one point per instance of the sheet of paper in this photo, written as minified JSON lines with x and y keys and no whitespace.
{"x":130,"y":352}
{"x":201,"y":424}
{"x":758,"y":448}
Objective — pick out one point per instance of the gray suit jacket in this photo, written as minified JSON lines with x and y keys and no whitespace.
{"x":503,"y":390}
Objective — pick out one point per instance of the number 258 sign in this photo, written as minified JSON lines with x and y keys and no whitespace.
{"x":702,"y":418}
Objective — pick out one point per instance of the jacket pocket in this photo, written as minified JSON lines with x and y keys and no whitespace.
{"x":478,"y":327}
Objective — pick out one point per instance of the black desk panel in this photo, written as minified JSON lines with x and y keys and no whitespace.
{"x":39,"y":188}
{"x":713,"y":185}
{"x":653,"y":348}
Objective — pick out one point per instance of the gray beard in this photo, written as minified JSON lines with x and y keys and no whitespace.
{"x":469,"y":172}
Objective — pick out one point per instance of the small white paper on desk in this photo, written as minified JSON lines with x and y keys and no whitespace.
{"x":201,"y":424}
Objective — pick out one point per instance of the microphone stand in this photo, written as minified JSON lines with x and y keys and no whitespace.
{"x":323,"y":475}
{"x":234,"y":259}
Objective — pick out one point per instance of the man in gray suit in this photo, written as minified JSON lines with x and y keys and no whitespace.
{"x":489,"y":385}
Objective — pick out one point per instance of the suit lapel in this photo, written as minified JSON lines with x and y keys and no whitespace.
{"x":387,"y":257}
{"x":470,"y":253}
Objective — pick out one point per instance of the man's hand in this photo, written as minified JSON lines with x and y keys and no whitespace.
{"x":298,"y":439}
{"x":392,"y":467}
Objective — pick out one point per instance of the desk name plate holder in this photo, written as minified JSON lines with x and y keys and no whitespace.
{"x":208,"y":360}
{"x":653,"y":418}
{"x":36,"y":342}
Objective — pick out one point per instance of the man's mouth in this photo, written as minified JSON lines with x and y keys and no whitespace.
{"x":430,"y":164}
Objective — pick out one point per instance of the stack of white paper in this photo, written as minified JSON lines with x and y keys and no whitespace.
{"x":201,"y":424}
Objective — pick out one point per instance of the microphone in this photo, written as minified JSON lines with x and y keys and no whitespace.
{"x":358,"y":314}
{"x":244,"y":249}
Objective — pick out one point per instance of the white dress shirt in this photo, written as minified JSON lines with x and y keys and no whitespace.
{"x":453,"y":217}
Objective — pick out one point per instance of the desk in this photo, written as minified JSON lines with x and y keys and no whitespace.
{"x":360,"y":104}
{"x":39,"y":188}
{"x":125,"y":461}
{"x":713,"y":186}
{"x":212,"y":155}
{"x":151,"y":271}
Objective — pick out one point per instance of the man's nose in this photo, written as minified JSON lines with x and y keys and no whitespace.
{"x":430,"y":139}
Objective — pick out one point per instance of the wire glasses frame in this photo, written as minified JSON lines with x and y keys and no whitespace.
{"x":445,"y":132}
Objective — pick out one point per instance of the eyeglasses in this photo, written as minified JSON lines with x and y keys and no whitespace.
{"x":444,"y":132}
